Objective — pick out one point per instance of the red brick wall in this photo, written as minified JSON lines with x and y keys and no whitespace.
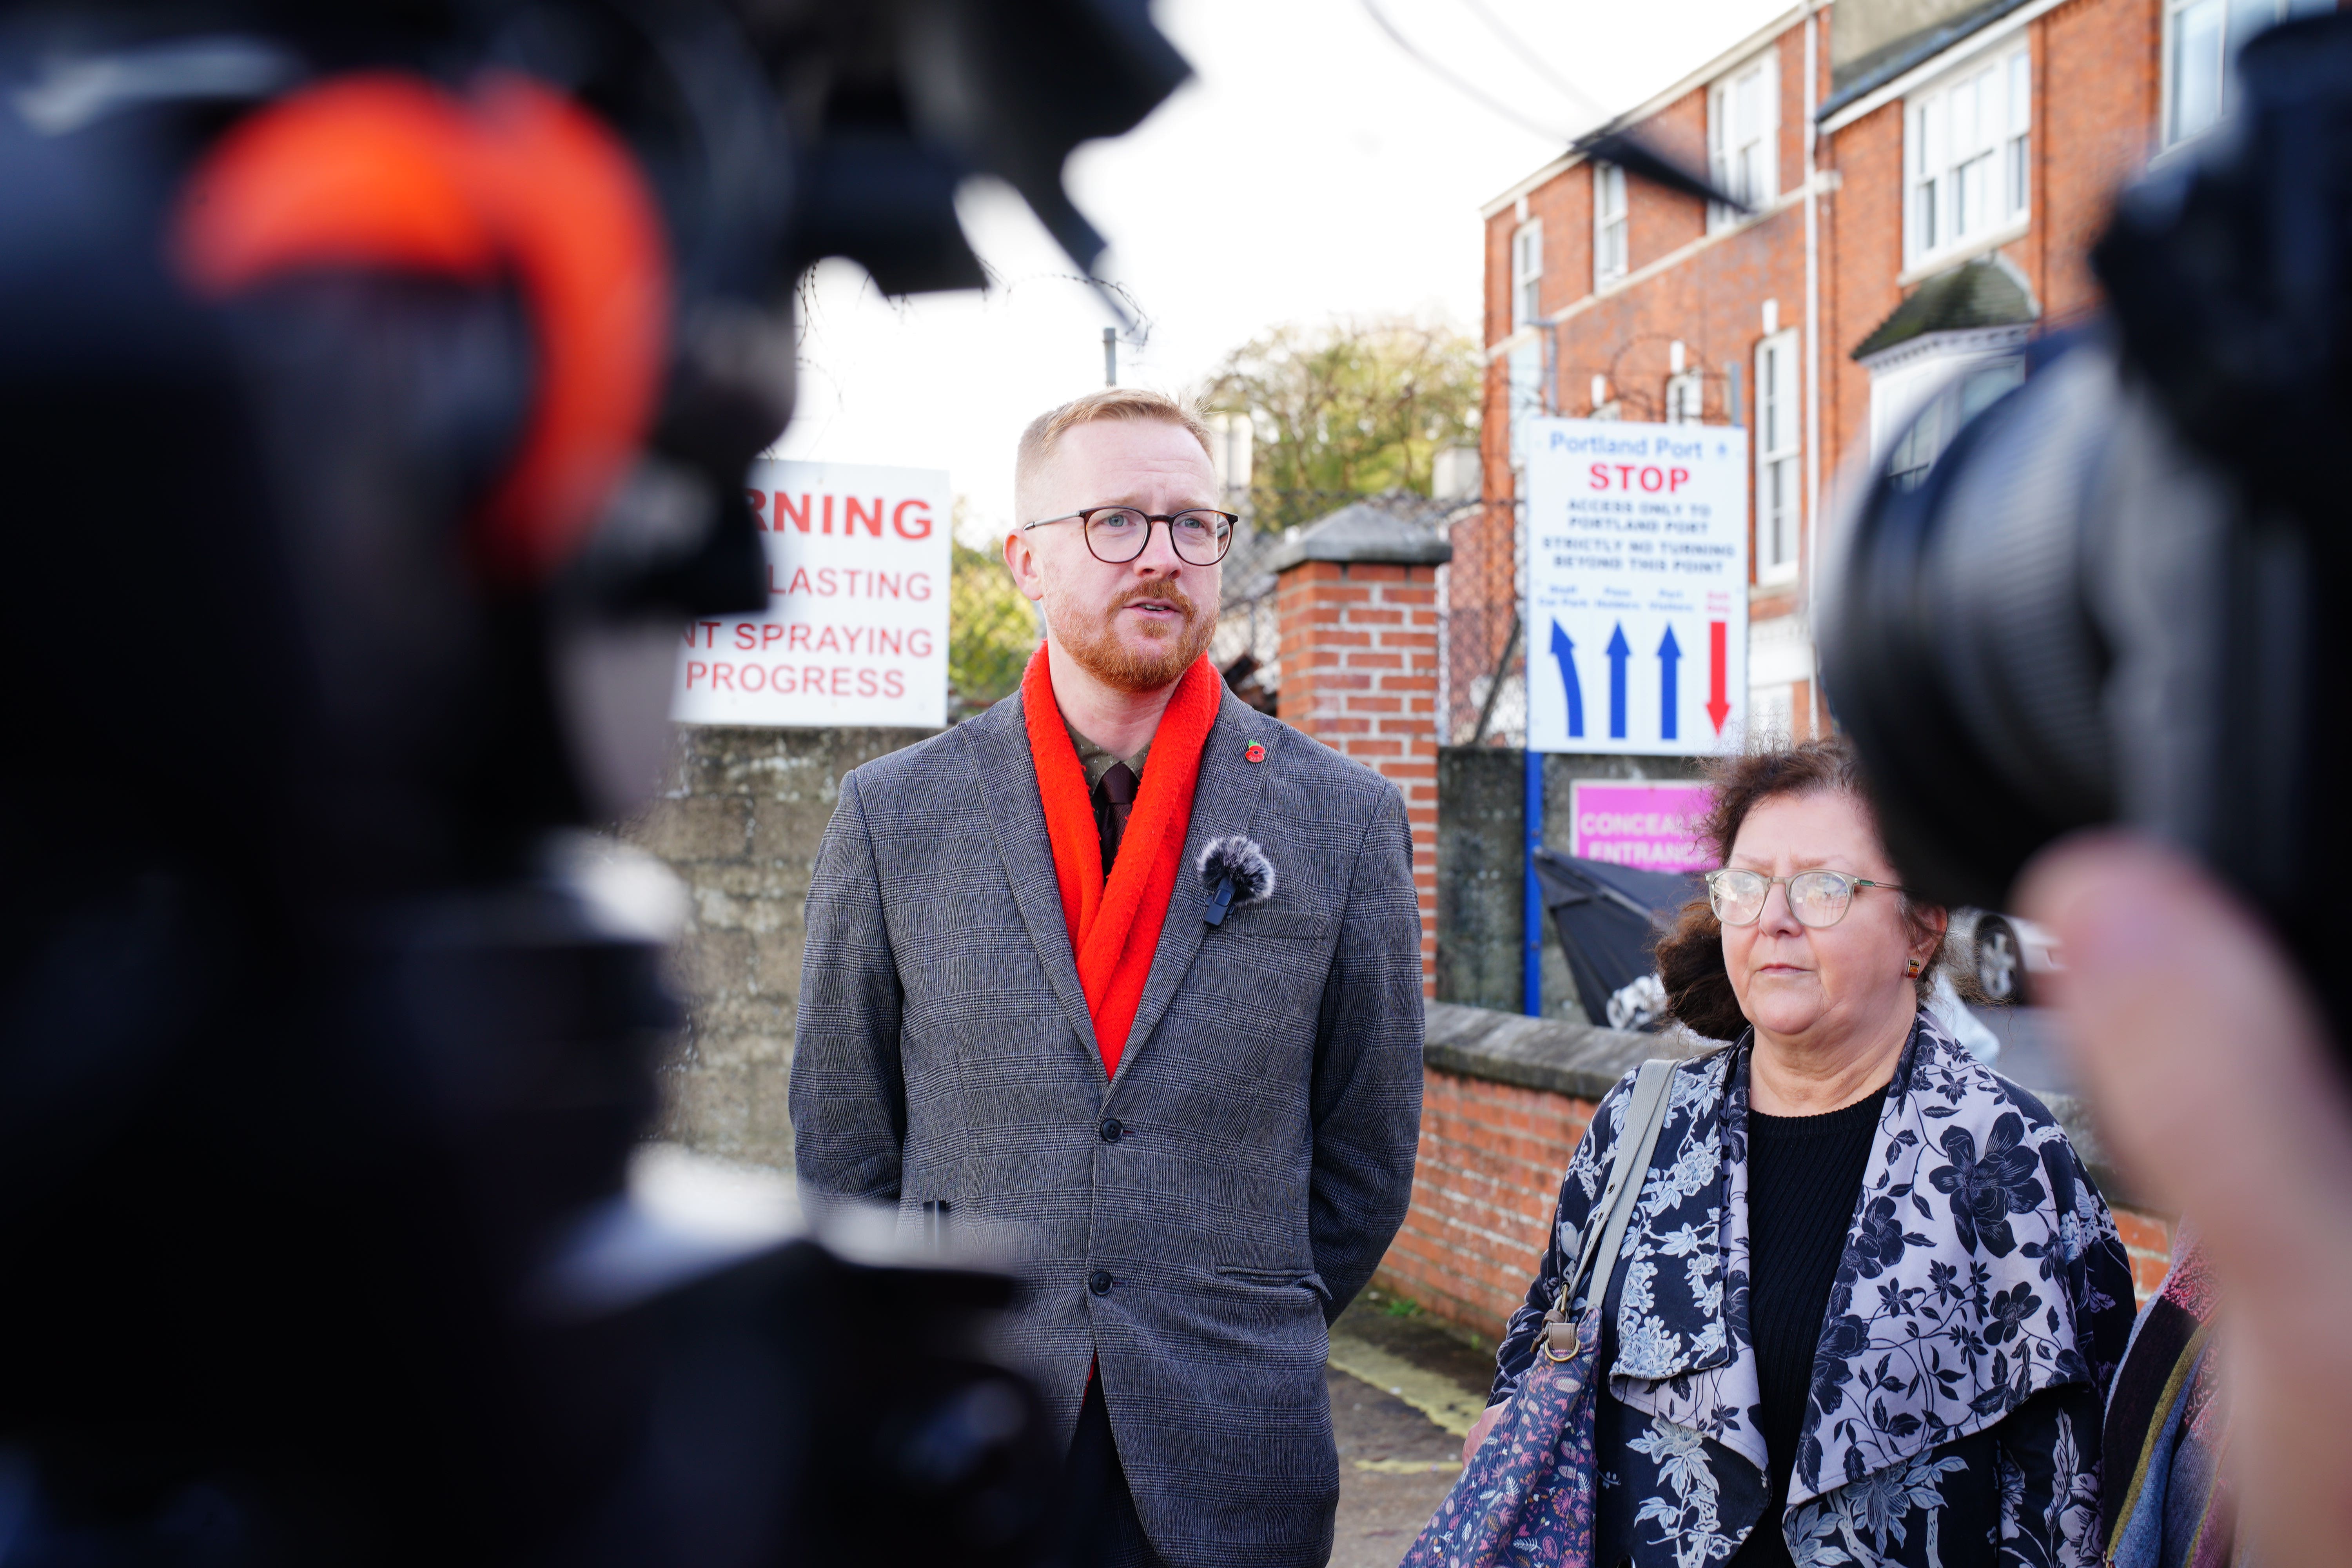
{"x":2097,"y":75}
{"x":2148,"y":1238}
{"x":2097,"y":65}
{"x":1862,"y":227}
{"x":1360,"y":674}
{"x":2097,"y":70}
{"x":1712,"y":302}
{"x":1491,"y":1159}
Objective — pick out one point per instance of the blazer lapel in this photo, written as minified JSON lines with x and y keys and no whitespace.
{"x":1016,"y":818}
{"x":1225,"y":802}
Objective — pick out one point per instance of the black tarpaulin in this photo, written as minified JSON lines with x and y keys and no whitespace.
{"x":1608,"y":917}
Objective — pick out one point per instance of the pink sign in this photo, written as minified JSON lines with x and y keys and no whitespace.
{"x":1650,"y":824}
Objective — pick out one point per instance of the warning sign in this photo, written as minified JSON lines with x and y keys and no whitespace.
{"x":857,"y":626}
{"x":1636,"y":614}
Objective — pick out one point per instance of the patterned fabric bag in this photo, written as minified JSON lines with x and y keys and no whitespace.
{"x":1525,"y":1500}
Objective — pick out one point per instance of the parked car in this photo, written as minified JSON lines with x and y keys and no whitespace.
{"x":2005,"y":952}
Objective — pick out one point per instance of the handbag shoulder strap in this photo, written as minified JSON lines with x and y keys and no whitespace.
{"x":1637,"y":1140}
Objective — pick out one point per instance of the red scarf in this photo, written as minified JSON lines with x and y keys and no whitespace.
{"x":1115,"y":929}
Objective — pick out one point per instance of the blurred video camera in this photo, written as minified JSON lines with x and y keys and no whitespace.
{"x":2107,"y":600}
{"x":376,"y":386}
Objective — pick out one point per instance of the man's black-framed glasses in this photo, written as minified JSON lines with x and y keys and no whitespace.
{"x":1117,"y":534}
{"x":1817,"y":899}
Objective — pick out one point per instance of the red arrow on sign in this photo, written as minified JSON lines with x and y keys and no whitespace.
{"x":1717,"y":708}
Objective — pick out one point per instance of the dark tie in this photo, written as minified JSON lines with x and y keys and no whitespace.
{"x":1114,"y":799}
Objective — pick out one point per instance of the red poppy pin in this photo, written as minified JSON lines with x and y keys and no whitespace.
{"x":1255,"y":753}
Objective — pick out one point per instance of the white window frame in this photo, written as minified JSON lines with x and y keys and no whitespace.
{"x":1754,"y":178}
{"x":1685,"y":398}
{"x":1779,"y":444}
{"x":2240,"y":20}
{"x":1526,"y":274}
{"x":1613,"y":225}
{"x":1968,"y":161}
{"x":1964,"y":370}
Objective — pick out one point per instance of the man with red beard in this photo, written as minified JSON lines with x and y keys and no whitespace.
{"x":1129,"y":974}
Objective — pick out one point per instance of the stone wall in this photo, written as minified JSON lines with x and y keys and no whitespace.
{"x":740,"y":823}
{"x":1482,"y":863}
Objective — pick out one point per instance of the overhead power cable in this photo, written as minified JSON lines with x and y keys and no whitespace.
{"x":1460,"y":84}
{"x":1621,"y":146}
{"x":1533,"y":59}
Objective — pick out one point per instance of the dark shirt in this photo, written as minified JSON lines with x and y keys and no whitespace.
{"x":1111,"y":803}
{"x":1804,"y":1174}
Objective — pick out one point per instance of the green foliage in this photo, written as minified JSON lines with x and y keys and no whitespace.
{"x":1352,"y":407}
{"x":991,"y":630}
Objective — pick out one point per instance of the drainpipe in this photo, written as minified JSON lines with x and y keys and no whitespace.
{"x":1815,"y":709}
{"x":1532,"y":908}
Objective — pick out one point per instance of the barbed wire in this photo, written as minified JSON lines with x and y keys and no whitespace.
{"x":1136,"y":327}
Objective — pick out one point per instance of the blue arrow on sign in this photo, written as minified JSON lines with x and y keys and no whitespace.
{"x":1565,"y":651}
{"x":1669,"y":651}
{"x":1619,"y":652}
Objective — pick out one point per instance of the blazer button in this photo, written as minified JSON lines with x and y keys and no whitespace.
{"x":1111,"y":1130}
{"x":1099,"y":1282}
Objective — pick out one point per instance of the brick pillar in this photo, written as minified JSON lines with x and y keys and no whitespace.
{"x":1355,"y":606}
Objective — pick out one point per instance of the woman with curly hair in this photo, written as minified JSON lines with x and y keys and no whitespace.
{"x":1870,"y":1301}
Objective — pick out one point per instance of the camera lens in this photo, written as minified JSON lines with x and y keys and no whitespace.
{"x":2030,"y":637}
{"x":1960,"y":647}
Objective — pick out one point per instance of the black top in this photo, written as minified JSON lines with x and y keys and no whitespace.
{"x":1804,"y":1174}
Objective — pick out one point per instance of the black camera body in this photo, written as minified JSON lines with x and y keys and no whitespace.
{"x":2107,"y":600}
{"x":346,"y":577}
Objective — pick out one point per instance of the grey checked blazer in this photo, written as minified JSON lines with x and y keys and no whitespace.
{"x":1268,"y":1099}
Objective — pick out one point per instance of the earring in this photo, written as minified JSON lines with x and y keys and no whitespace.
{"x":1913,"y":968}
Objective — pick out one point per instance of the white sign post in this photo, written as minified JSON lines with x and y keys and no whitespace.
{"x":856,"y":627}
{"x":1636,"y":611}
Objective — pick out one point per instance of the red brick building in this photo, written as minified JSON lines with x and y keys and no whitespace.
{"x":1927,"y":178}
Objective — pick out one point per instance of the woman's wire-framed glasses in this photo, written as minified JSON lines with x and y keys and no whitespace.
{"x":1817,"y":899}
{"x":1116,"y":535}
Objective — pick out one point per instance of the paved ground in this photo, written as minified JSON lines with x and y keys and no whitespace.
{"x":1380,"y":1511}
{"x":1395,"y":1462}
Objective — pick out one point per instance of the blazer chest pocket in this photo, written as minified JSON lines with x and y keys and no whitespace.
{"x":1274,"y":925}
{"x":1270,"y":962}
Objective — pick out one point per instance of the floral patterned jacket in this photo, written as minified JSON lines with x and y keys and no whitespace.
{"x":1977,"y":1314}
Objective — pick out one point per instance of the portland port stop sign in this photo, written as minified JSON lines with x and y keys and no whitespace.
{"x":1636,"y":610}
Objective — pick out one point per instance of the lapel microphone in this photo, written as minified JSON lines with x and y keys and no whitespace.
{"x":1237,"y":875}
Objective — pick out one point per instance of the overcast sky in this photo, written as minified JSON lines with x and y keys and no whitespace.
{"x":1310,"y":168}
